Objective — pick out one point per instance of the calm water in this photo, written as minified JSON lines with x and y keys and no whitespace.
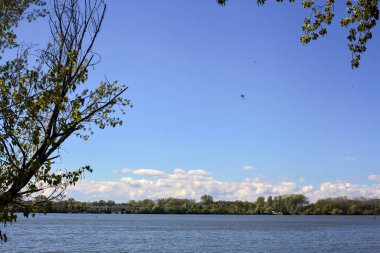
{"x":192,"y":233}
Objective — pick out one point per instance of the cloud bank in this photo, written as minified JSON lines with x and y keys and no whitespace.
{"x":192,"y":184}
{"x":248,"y":167}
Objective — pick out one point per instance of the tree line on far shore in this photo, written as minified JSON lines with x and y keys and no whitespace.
{"x":293,"y":204}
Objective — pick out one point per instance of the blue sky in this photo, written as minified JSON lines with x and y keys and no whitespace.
{"x":307,"y":120}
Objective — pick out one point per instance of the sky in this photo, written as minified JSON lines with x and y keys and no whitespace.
{"x":307,"y":124}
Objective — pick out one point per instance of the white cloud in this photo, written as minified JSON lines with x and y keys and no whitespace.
{"x":333,"y":189}
{"x":197,"y":172}
{"x":248,"y":167}
{"x":306,"y":189}
{"x":148,"y":172}
{"x":374,"y":178}
{"x":301,"y":180}
{"x":192,"y":184}
{"x":350,"y":158}
{"x":285,"y":188}
{"x":143,"y":172}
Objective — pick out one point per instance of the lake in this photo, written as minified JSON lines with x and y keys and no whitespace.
{"x":192,"y":233}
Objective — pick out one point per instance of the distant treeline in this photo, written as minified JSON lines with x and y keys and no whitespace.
{"x":286,"y":204}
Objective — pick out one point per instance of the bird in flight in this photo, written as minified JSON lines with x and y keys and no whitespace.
{"x":242,"y":96}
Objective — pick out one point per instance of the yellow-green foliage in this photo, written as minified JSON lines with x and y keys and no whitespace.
{"x":44,"y":103}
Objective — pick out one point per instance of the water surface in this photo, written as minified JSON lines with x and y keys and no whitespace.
{"x":192,"y":233}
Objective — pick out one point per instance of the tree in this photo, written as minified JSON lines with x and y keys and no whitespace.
{"x":269,"y":205}
{"x":295,"y":203}
{"x":279,"y":205}
{"x":361,"y":18}
{"x":43,"y":105}
{"x":260,"y":205}
{"x":207,"y":199}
